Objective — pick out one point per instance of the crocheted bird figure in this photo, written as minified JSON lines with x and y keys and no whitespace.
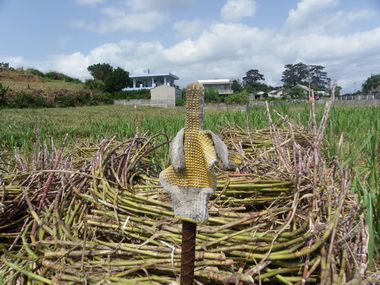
{"x":194,"y":152}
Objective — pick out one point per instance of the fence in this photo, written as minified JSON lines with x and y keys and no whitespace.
{"x":358,"y":97}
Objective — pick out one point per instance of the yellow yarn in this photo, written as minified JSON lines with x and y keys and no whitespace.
{"x":199,"y":151}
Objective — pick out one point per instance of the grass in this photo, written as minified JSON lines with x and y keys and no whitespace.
{"x":46,"y":84}
{"x":359,"y":127}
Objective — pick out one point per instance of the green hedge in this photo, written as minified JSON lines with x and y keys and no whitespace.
{"x":24,"y":100}
{"x":135,"y":94}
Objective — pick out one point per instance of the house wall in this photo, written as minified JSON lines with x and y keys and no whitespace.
{"x":164,"y":96}
{"x":133,"y":102}
{"x":223,"y":89}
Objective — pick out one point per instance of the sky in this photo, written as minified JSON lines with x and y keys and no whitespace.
{"x":194,"y":39}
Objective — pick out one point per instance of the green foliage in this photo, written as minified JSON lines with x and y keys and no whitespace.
{"x":212,"y":96}
{"x":236,"y":86}
{"x":372,"y":84}
{"x":81,"y":98}
{"x":135,"y":94}
{"x":257,"y":87}
{"x":54,"y":75}
{"x":60,"y":76}
{"x":304,"y":74}
{"x":100,"y":71}
{"x":23,"y":100}
{"x":238,"y":98}
{"x":180,"y":102}
{"x":3,"y":91}
{"x":295,"y":92}
{"x":252,"y":76}
{"x":94,"y":84}
{"x":116,"y":80}
{"x":35,"y":72}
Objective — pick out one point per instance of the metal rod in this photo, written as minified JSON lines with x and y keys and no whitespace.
{"x":189,"y":232}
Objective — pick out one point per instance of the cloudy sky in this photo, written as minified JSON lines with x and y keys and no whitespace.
{"x":194,"y":39}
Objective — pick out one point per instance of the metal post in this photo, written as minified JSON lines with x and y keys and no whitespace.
{"x":189,"y":232}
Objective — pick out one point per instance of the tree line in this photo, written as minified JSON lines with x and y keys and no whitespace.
{"x":294,"y":75}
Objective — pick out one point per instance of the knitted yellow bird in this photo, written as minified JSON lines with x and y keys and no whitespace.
{"x":190,"y":179}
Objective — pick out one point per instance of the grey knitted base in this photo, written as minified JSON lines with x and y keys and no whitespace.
{"x":188,"y":202}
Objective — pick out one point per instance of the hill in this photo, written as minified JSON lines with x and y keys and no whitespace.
{"x":23,"y":81}
{"x":32,"y":88}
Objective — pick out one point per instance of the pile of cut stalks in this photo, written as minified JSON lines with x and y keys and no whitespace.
{"x":97,"y":215}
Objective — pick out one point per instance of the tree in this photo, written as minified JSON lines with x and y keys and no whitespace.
{"x":295,"y":74}
{"x":236,"y":86}
{"x":116,"y":80}
{"x":372,"y":84}
{"x":304,"y":74}
{"x":318,"y":78}
{"x":252,"y":77}
{"x":100,"y":71}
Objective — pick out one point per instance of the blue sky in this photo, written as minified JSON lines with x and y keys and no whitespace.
{"x":194,"y":39}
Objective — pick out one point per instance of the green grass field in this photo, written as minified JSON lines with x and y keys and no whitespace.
{"x":358,"y":126}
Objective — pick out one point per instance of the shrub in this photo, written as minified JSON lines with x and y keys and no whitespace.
{"x":3,"y":91}
{"x":102,"y":98}
{"x":212,"y":95}
{"x":35,"y":72}
{"x":60,"y":76}
{"x":180,"y":102}
{"x":135,"y":94}
{"x":23,"y":100}
{"x":54,"y":75}
{"x":238,"y":98}
{"x":94,"y":84}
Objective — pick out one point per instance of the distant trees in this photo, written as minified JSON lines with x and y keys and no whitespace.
{"x":371,"y":84}
{"x":236,"y":86}
{"x":116,"y":80}
{"x":100,"y":71}
{"x":304,"y":74}
{"x":113,"y":80}
{"x":252,"y":77}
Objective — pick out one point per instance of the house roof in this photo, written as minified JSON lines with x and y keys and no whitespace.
{"x":215,"y":81}
{"x":149,"y":75}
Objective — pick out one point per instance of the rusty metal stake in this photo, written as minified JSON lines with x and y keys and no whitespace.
{"x":189,"y":232}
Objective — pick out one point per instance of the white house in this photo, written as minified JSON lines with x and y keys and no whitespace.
{"x":223,"y":86}
{"x":150,"y":80}
{"x":277,"y":93}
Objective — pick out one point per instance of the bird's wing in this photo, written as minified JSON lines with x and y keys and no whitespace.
{"x":176,"y":152}
{"x":220,"y":149}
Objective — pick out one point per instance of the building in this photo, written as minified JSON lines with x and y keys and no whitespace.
{"x":150,"y":80}
{"x":223,"y":86}
{"x":164,"y":96}
{"x":277,"y":93}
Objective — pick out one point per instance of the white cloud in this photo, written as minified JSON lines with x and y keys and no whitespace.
{"x":148,"y":5}
{"x":218,"y":42}
{"x":307,"y":11}
{"x":188,"y":28}
{"x":92,"y":3}
{"x":230,"y":49}
{"x":74,"y":64}
{"x":237,"y":9}
{"x":14,"y":61}
{"x":118,"y":20}
{"x":320,"y":16}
